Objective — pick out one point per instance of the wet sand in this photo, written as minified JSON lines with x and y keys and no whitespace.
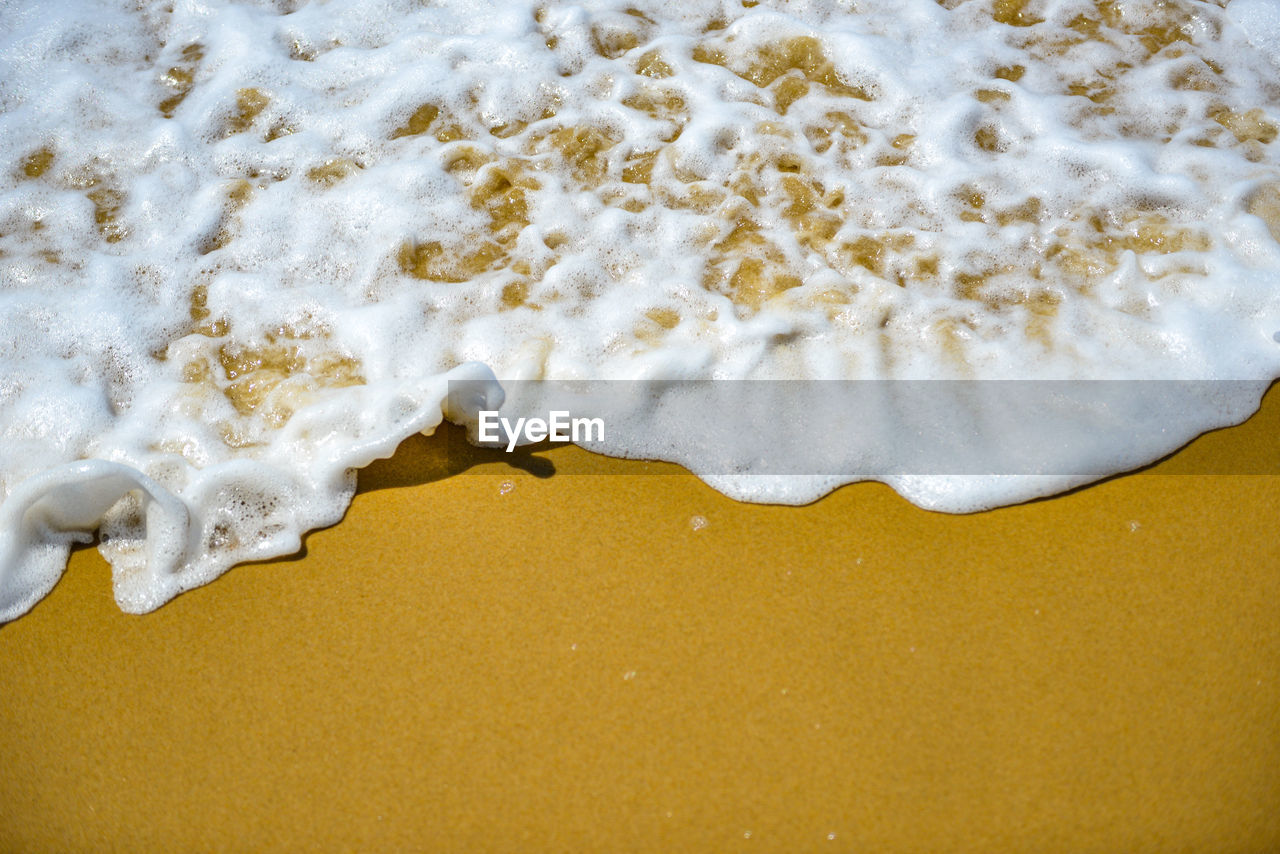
{"x":490,"y":660}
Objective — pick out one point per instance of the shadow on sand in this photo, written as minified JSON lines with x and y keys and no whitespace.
{"x":426,"y":459}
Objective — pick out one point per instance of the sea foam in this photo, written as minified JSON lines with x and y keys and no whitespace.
{"x":246,"y":247}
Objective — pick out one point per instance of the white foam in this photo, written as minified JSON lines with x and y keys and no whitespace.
{"x":1260,"y":19}
{"x":244,"y":247}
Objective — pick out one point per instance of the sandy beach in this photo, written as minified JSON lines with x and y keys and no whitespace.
{"x":493,"y":661}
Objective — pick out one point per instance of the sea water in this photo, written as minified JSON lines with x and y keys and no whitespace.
{"x":245,"y":248}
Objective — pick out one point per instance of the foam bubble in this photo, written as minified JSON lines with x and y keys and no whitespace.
{"x":1260,"y":19}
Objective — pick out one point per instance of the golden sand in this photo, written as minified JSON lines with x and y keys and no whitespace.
{"x":634,"y":662}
